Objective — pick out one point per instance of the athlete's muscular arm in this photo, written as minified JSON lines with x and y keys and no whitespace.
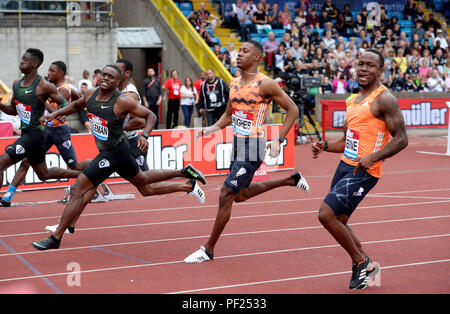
{"x":135,"y":123}
{"x":386,"y":108}
{"x":270,"y":88}
{"x":11,"y":108}
{"x":125,"y":105}
{"x":71,"y":108}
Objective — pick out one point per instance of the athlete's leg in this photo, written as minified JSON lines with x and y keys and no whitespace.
{"x":18,"y":179}
{"x":344,"y":219}
{"x":5,"y":163}
{"x":257,"y":188}
{"x":80,"y":166}
{"x":81,"y":192}
{"x":45,"y":173}
{"x":223,"y":216}
{"x":161,"y":188}
{"x":340,"y":232}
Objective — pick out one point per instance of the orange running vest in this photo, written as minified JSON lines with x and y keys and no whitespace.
{"x":365,"y":133}
{"x":249,"y":108}
{"x":55,"y":122}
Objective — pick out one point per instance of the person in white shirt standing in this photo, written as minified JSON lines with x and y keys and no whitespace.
{"x":188,"y":98}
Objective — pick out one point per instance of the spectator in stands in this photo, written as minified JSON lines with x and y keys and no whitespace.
{"x":246,"y":24}
{"x":251,"y":6}
{"x":340,"y":85}
{"x":198,"y":83}
{"x":313,"y":20}
{"x":259,"y":17}
{"x":330,"y":43}
{"x":330,"y":8}
{"x":343,"y":68}
{"x":188,"y":97}
{"x":270,"y":49}
{"x":410,"y":83}
{"x":435,"y":83}
{"x":96,"y":77}
{"x":274,"y":16}
{"x":413,"y":69}
{"x":287,"y":40}
{"x":324,"y":18}
{"x":424,"y":69}
{"x":152,"y":93}
{"x":439,"y":60}
{"x":340,"y":25}
{"x":348,"y":17}
{"x":218,"y":52}
{"x":440,"y":38}
{"x":326,"y":87}
{"x":303,"y":5}
{"x":289,"y":60}
{"x":401,"y":60}
{"x":399,"y":82}
{"x":85,"y":80}
{"x":82,"y":115}
{"x":205,"y":34}
{"x":195,"y":20}
{"x":233,"y":19}
{"x":444,"y":29}
{"x":285,"y":17}
{"x":410,"y":10}
{"x":352,"y":84}
{"x":172,"y":87}
{"x":205,"y":14}
{"x":279,"y":58}
{"x":418,"y":29}
{"x":360,"y":25}
{"x":296,"y":49}
{"x":230,"y":57}
{"x":213,"y":97}
{"x":300,"y":18}
{"x":305,"y":59}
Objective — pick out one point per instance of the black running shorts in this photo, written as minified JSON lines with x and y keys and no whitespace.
{"x":29,"y":145}
{"x":117,"y":159}
{"x":347,"y":190}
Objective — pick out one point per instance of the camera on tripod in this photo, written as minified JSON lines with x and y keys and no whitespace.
{"x":298,"y":85}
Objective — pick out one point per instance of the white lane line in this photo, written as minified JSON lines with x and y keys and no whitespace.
{"x":222,"y":257}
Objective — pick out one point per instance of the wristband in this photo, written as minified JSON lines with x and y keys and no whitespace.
{"x":325,"y":146}
{"x":145,"y":135}
{"x":63,"y":103}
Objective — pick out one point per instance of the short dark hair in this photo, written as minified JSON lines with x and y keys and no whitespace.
{"x":61,"y":65}
{"x":36,"y":53}
{"x":379,"y":54}
{"x":127,"y":63}
{"x":257,"y":45}
{"x":114,"y":67}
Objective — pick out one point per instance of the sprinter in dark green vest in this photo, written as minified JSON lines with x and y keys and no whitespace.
{"x":28,"y":102}
{"x":107,"y":108}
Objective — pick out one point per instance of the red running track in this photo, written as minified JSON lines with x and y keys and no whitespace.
{"x":273,"y":243}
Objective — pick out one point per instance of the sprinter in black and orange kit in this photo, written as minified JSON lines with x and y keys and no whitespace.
{"x":250,"y":96}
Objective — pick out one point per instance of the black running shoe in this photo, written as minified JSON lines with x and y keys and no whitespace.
{"x":191,"y":173}
{"x":371,"y":273}
{"x":359,"y":274}
{"x":50,"y":243}
{"x":4,"y":203}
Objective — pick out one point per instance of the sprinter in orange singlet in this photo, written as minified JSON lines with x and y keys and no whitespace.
{"x":250,"y":96}
{"x":372,"y":117}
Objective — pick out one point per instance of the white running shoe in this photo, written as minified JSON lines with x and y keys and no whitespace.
{"x":199,"y":256}
{"x":198,"y":193}
{"x":300,"y":181}
{"x":52,"y":229}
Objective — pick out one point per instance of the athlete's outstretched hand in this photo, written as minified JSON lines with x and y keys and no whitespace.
{"x":317,"y":148}
{"x":203,"y":132}
{"x":274,"y":148}
{"x":45,"y":119}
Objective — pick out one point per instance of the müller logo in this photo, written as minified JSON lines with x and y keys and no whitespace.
{"x":423,"y":114}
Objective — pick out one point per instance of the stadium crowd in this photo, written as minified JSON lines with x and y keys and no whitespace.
{"x":326,"y":43}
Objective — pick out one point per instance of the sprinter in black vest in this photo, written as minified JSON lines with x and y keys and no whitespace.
{"x":28,"y":102}
{"x":107,"y":108}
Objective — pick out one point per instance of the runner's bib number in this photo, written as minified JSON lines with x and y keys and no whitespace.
{"x":24,"y":112}
{"x":351,"y":144}
{"x":99,"y":127}
{"x":242,"y":122}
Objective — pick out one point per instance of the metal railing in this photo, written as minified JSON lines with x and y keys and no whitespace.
{"x":193,"y":42}
{"x":62,"y":12}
